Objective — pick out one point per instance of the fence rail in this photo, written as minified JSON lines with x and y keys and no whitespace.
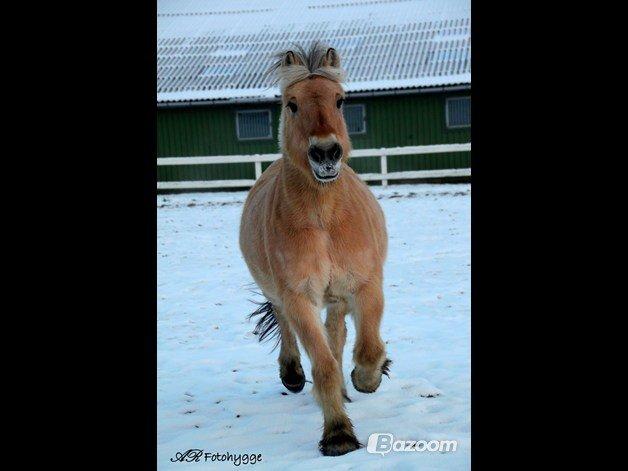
{"x":257,"y":159}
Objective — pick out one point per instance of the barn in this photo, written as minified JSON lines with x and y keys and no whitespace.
{"x":408,"y":66}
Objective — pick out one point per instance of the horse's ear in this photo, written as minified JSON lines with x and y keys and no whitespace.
{"x":332,"y":58}
{"x":290,"y":58}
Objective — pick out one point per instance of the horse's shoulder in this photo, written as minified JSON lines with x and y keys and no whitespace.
{"x":362,"y":193}
{"x":264,"y":185}
{"x":271,"y":173}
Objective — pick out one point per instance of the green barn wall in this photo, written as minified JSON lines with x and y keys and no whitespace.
{"x":391,"y":121}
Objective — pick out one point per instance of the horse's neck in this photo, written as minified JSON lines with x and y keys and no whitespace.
{"x":309,"y":204}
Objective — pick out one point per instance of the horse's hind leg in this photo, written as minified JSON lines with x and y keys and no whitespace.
{"x":369,"y":353}
{"x":337,"y":333}
{"x":338,"y":437}
{"x":290,"y":370}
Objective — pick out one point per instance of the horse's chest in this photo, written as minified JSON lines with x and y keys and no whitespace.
{"x":324,"y":265}
{"x":347,"y":269}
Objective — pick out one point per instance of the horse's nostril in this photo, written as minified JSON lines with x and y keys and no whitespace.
{"x":335,"y":152}
{"x":317,"y":154}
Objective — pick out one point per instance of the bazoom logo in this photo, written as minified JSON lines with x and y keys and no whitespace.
{"x":383,"y":443}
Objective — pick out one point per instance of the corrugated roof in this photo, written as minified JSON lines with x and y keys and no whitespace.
{"x":219,"y":50}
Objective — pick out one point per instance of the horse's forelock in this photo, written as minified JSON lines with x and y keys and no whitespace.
{"x":303,"y":64}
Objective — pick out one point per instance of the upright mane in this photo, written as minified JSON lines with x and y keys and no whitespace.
{"x":296,"y":64}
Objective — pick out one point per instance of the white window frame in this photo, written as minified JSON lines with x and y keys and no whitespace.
{"x":459,"y":126}
{"x":270,"y":125}
{"x":363,"y":106}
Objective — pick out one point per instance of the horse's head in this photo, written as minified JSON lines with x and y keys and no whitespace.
{"x":313,"y":134}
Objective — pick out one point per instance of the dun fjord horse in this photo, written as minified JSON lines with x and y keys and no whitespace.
{"x":314,"y":236}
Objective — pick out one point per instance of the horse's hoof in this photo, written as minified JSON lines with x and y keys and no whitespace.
{"x":292,"y":387}
{"x":368,"y":380}
{"x":338,"y":442}
{"x":292,"y":377}
{"x":366,"y":383}
{"x":362,"y":388}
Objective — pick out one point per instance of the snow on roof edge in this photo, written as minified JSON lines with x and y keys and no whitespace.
{"x":272,"y":94}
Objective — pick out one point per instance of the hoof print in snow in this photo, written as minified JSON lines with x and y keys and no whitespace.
{"x":424,"y":388}
{"x":283,"y":393}
{"x":189,"y":412}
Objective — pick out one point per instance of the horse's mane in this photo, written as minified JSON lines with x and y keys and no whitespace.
{"x":306,"y":64}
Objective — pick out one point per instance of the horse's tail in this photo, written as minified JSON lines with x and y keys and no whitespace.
{"x":267,"y":326}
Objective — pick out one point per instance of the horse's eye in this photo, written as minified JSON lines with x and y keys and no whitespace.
{"x":292,"y":106}
{"x":340,"y":102}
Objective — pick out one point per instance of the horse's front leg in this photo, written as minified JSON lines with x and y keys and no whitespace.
{"x":337,"y":334}
{"x":369,"y":353}
{"x":290,"y":370}
{"x":338,"y":436}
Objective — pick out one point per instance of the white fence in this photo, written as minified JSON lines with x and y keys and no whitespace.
{"x":257,"y":160}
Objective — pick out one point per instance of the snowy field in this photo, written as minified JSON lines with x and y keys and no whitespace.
{"x":219,"y":389}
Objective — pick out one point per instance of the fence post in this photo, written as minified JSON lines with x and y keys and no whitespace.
{"x":258,"y":169}
{"x":383,"y":162}
{"x":258,"y":159}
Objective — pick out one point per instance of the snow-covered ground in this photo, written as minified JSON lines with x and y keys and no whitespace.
{"x":219,"y":389}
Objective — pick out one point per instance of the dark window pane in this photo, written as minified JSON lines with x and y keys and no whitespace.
{"x":254,"y":124}
{"x":459,"y":112}
{"x":354,"y":116}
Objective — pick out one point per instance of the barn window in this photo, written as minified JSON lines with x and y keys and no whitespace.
{"x":458,"y":112}
{"x":254,"y":124}
{"x":354,"y":117}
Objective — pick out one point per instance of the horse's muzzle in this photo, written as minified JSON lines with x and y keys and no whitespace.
{"x":325,"y":161}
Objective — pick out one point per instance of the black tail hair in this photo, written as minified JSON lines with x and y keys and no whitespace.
{"x":267,"y":326}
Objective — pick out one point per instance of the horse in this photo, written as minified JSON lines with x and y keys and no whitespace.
{"x":313,"y":236}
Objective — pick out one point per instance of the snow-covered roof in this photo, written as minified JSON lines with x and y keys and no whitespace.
{"x":220,"y":49}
